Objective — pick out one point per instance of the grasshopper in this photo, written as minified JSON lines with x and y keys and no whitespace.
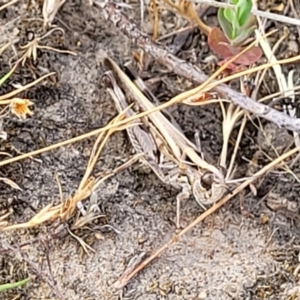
{"x":173,"y":158}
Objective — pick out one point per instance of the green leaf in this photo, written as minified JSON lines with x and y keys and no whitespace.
{"x":250,"y":22}
{"x":244,"y":8}
{"x":231,"y":16}
{"x":8,"y":286}
{"x":225,"y":24}
{"x":6,"y":76}
{"x":242,"y":36}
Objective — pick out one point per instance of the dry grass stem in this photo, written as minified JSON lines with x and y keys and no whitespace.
{"x":30,"y":49}
{"x":8,"y":4}
{"x":286,"y":86}
{"x":156,"y":19}
{"x":214,"y":3}
{"x":231,"y":115}
{"x":276,"y":17}
{"x":187,"y":10}
{"x":5,"y":99}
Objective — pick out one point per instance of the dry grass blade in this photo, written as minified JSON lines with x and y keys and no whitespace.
{"x":84,"y":245}
{"x":214,"y":3}
{"x":230,"y":118}
{"x":4,"y":47}
{"x":3,"y":217}
{"x":156,"y":18}
{"x":276,"y":17}
{"x":286,"y":86}
{"x":191,"y":97}
{"x":5,"y":99}
{"x":116,"y":126}
{"x":10,"y":183}
{"x":8,"y":4}
{"x":30,"y":49}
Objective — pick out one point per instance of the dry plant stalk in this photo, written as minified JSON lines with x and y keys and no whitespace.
{"x":187,"y":10}
{"x":8,"y":4}
{"x":30,"y":49}
{"x":156,"y":18}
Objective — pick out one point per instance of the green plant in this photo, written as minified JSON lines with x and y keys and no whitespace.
{"x":237,"y":25}
{"x":6,"y":76}
{"x":14,"y":285}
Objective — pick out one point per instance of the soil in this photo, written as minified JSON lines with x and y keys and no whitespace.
{"x":249,"y":249}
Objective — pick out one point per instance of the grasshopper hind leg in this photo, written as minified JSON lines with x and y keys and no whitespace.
{"x":182,"y":196}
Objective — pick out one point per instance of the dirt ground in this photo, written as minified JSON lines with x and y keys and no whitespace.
{"x":249,"y":249}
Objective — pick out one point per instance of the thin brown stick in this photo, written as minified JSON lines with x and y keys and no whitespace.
{"x":113,"y":13}
{"x":123,"y":280}
{"x":156,"y":16}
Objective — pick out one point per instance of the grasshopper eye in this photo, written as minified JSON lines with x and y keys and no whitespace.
{"x":207,"y":180}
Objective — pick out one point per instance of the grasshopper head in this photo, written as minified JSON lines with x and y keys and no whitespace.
{"x":208,"y":188}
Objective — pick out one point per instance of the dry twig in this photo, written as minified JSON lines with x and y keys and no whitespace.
{"x":113,"y":13}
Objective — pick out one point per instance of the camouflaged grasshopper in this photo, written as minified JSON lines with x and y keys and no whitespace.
{"x":173,"y":158}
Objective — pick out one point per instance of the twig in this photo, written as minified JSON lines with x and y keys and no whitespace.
{"x":213,"y":3}
{"x":276,"y":17}
{"x":113,"y":13}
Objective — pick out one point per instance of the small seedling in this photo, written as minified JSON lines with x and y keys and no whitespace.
{"x":237,"y":25}
{"x":6,"y":76}
{"x":14,"y":285}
